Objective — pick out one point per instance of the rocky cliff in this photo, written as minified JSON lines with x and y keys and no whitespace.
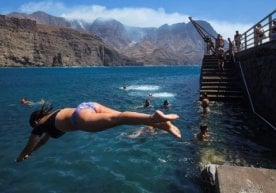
{"x":42,"y":18}
{"x":112,"y":31}
{"x":177,"y":44}
{"x":23,"y":42}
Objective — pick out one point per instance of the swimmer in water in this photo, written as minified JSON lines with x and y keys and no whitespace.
{"x":25,"y":101}
{"x":144,"y":130}
{"x":147,"y":103}
{"x":205,"y":103}
{"x":203,"y":135}
{"x":29,"y":103}
{"x":166,"y":104}
{"x":89,"y":117}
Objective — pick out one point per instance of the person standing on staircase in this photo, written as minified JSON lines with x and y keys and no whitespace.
{"x":220,"y":55}
{"x":219,"y":42}
{"x":210,"y":45}
{"x":220,"y":51}
{"x":237,"y":39}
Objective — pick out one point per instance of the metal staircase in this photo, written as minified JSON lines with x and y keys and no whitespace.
{"x":220,"y":85}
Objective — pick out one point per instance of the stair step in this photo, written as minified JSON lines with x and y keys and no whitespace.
{"x":220,"y":86}
{"x":210,"y":59}
{"x":215,"y":62}
{"x":216,"y":87}
{"x":228,"y":74}
{"x":228,"y":84}
{"x":218,"y":79}
{"x":209,"y":56}
{"x":226,"y":69}
{"x":214,"y":67}
{"x":224,"y":98}
{"x":219,"y":91}
{"x":221,"y":83}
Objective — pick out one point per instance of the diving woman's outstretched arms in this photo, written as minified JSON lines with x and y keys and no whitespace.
{"x":33,"y":144}
{"x":41,"y":142}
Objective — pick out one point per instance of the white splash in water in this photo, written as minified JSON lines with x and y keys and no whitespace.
{"x":141,"y":87}
{"x":163,"y":95}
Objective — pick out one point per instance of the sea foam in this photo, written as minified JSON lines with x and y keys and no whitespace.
{"x":141,"y":87}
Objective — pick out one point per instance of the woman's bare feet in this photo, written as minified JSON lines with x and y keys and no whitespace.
{"x":159,"y":116}
{"x":169,"y":127}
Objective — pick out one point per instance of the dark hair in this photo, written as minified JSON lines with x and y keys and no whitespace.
{"x":203,"y":96}
{"x":36,"y":115}
{"x":147,"y":103}
{"x":203,"y":127}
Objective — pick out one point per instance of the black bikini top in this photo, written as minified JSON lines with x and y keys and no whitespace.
{"x":48,"y":127}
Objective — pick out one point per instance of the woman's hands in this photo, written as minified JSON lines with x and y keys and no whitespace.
{"x":19,"y":159}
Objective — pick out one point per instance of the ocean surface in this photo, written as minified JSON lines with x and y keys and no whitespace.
{"x":123,"y":159}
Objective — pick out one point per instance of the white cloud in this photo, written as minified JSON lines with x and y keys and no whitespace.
{"x":139,"y":17}
{"x":227,"y":29}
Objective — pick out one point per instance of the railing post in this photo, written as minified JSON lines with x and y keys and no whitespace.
{"x":247,"y":35}
{"x":270,"y":27}
{"x":245,"y":41}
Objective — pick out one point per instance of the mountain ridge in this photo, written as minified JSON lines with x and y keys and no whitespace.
{"x":26,"y":43}
{"x":176,"y":44}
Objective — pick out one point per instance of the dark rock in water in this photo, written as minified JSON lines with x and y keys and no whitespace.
{"x":208,"y":178}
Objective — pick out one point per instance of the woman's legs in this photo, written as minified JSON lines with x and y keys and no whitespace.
{"x":157,"y":117}
{"x":105,"y":118}
{"x":103,"y":109}
{"x":90,"y":120}
{"x":131,"y":117}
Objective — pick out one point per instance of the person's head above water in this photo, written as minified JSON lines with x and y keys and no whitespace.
{"x":147,"y":103}
{"x":204,"y":128}
{"x":25,"y":101}
{"x":166,"y":102}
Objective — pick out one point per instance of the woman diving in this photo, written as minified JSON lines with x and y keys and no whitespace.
{"x":90,"y":117}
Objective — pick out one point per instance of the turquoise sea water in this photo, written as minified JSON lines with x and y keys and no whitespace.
{"x":117,"y":160}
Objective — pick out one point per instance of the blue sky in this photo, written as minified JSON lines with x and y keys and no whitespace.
{"x":224,"y":16}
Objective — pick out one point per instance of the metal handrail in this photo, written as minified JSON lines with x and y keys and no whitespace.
{"x":251,"y":102}
{"x":248,"y":39}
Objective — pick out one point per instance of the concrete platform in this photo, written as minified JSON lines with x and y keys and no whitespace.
{"x":233,"y":179}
